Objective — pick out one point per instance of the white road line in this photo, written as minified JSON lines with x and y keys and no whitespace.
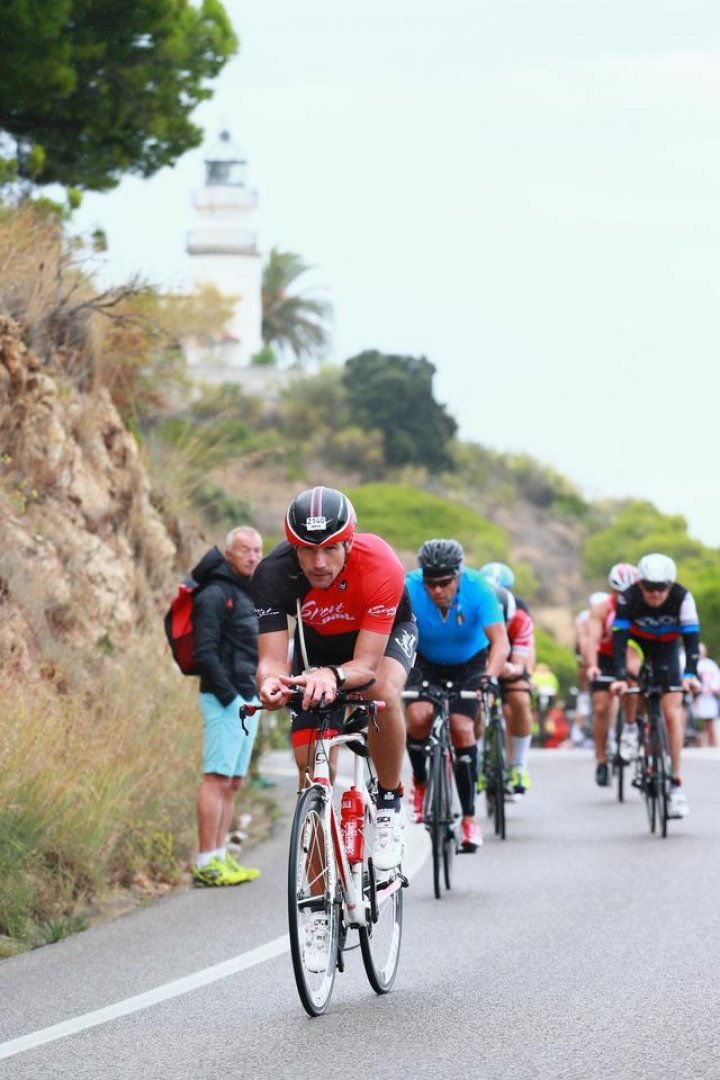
{"x":418,"y":845}
{"x":151,"y":997}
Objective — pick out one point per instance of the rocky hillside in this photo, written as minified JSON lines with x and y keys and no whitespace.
{"x":84,"y":555}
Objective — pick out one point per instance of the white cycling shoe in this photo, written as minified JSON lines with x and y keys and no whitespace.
{"x":628,"y":748}
{"x":389,"y":846}
{"x":677,"y":803}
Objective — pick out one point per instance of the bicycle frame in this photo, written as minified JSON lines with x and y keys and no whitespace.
{"x":439,"y":816}
{"x":356,"y":912}
{"x":330,"y":890}
{"x":651,"y":773}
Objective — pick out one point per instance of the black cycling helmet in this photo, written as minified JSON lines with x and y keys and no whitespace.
{"x":319,"y":517}
{"x":440,"y":557}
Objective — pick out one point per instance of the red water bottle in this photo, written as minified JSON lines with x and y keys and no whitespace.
{"x":352,"y":820}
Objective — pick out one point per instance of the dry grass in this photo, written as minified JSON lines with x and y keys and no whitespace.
{"x":96,"y":789}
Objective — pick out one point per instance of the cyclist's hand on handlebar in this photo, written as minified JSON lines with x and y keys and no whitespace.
{"x":592,"y":672}
{"x":691,"y":684}
{"x":620,"y":686}
{"x":319,"y":686}
{"x":490,"y":684}
{"x":273,"y":693}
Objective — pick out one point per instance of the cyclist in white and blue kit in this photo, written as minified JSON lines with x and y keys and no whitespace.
{"x":461,"y":637}
{"x":658,"y":613}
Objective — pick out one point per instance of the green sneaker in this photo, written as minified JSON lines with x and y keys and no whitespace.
{"x":217,"y":872}
{"x":248,"y":872}
{"x":521,"y":781}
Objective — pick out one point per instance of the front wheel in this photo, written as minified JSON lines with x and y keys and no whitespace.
{"x":314,"y":912}
{"x":435,"y":821}
{"x":663,"y":772}
{"x":380,"y":939}
{"x":618,"y":761}
{"x":498,"y":780}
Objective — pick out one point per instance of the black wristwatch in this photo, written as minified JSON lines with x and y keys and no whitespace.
{"x":340,"y":676}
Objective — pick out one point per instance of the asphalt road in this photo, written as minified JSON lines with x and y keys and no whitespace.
{"x":581,"y":947}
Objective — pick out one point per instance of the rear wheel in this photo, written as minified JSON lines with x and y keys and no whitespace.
{"x":380,"y":939}
{"x":312,"y":896}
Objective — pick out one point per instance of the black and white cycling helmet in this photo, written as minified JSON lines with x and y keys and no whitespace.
{"x":319,"y":517}
{"x":657,"y":569}
{"x":438,"y":558}
{"x":622,"y":575}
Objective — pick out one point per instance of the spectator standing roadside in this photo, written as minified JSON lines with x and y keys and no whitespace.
{"x":226,"y":649}
{"x":706,"y":706}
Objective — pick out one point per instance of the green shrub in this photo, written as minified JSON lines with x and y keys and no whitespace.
{"x":406,"y":517}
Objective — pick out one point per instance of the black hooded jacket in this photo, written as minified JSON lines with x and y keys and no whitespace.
{"x":226,"y":630}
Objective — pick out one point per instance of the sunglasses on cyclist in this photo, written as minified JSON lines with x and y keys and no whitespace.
{"x":438,"y":582}
{"x":654,"y":586}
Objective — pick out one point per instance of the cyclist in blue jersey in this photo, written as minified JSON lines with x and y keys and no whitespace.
{"x":657,"y":612}
{"x":461,"y":637}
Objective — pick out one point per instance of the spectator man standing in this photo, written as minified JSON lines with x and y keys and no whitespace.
{"x":226,"y":652}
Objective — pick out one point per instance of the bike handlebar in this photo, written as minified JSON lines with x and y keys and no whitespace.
{"x":342,"y":698}
{"x":446,"y":691}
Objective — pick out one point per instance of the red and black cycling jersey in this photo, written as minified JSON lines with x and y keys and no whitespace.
{"x":368,"y":594}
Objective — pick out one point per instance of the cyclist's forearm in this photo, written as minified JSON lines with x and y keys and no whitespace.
{"x":620,"y":640}
{"x":499,"y":651}
{"x":691,"y":642}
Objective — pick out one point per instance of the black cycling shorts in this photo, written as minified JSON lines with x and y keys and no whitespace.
{"x":465,"y":676}
{"x":607,"y":668}
{"x":665,"y":659}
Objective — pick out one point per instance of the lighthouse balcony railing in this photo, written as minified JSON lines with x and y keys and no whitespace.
{"x":221,"y":241}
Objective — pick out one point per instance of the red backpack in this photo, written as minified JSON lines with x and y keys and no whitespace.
{"x":179,"y":628}
{"x":179,"y":625}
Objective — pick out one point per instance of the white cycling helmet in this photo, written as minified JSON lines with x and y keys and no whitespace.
{"x":622,"y":575}
{"x":499,"y":574}
{"x":598,"y":598}
{"x":657,"y":569}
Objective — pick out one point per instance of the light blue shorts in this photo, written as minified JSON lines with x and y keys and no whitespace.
{"x":226,"y":747}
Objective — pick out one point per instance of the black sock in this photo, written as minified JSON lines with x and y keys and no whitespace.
{"x":389,"y":799}
{"x":418,"y":760}
{"x":466,"y":777}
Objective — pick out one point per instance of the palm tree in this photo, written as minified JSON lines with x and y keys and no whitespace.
{"x":291,"y":321}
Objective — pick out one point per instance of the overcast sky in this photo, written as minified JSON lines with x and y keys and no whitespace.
{"x":527,"y":192}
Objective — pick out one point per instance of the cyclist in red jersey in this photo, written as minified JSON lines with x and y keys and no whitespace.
{"x":598,"y":656}
{"x":355,"y":631}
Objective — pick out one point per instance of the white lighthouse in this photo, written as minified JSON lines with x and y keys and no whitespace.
{"x":223,"y":250}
